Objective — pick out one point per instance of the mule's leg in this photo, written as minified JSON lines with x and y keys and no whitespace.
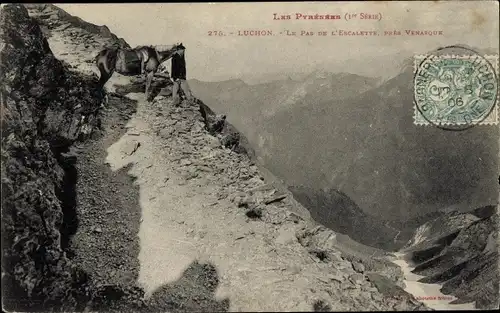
{"x":103,"y":78}
{"x":142,"y":66}
{"x":102,"y":81}
{"x":149,"y":79}
{"x":105,"y":75}
{"x":187,"y":91}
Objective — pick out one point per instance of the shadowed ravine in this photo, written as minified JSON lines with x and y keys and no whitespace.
{"x":68,"y":200}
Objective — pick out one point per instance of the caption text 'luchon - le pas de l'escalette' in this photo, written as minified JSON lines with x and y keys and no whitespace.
{"x":336,"y":32}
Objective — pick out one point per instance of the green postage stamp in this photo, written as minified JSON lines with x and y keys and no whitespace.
{"x":455,"y":88}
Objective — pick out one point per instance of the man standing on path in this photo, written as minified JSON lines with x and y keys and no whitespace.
{"x":178,"y":73}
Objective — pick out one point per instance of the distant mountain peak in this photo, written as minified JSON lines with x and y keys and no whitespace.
{"x":465,"y":46}
{"x":320,"y":73}
{"x":234,"y":81}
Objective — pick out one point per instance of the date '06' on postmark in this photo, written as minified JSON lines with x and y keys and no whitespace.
{"x":455,"y":88}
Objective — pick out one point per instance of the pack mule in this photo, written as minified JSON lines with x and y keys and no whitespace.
{"x":131,"y":62}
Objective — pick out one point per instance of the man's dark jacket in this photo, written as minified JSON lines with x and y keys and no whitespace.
{"x":178,"y":66}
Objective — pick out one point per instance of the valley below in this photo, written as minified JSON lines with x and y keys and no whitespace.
{"x":346,"y":147}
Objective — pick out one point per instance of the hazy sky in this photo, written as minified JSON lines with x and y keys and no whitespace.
{"x":211,"y":57}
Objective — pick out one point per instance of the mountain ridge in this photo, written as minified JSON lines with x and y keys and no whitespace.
{"x":374,"y":128}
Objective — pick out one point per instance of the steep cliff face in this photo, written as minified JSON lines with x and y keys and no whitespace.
{"x":45,"y":108}
{"x":460,"y":250}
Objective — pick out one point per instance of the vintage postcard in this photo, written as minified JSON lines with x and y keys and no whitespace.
{"x":271,"y":156}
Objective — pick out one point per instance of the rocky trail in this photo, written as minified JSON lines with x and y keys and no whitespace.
{"x":203,"y":203}
{"x":163,"y":205}
{"x":107,"y":207}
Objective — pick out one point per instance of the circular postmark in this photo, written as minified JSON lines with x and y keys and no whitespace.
{"x":455,"y":88}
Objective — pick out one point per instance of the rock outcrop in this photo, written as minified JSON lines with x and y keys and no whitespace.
{"x":45,"y":109}
{"x":215,"y":124}
{"x":339,"y":212}
{"x":55,"y":16}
